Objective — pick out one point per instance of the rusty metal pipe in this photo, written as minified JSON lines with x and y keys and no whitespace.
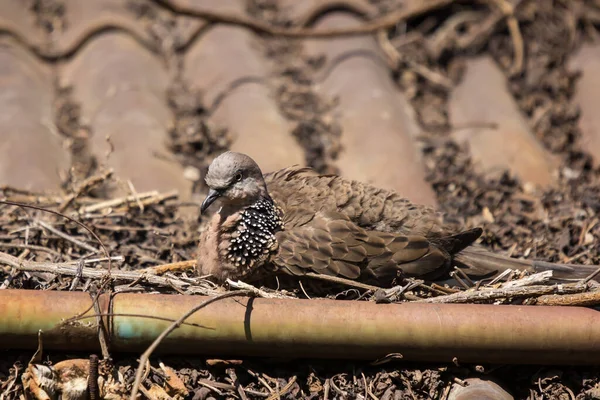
{"x":309,"y":328}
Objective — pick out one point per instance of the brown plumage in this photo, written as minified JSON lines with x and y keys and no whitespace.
{"x":296,"y":221}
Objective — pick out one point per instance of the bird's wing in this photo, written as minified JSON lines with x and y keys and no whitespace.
{"x":369,"y":207}
{"x":285,"y":174}
{"x":330,"y":243}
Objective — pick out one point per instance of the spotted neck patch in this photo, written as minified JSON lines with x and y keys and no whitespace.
{"x":254,"y":235}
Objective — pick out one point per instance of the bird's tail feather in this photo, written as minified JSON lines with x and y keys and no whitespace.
{"x":479,"y":261}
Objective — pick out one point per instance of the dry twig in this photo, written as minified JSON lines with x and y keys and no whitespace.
{"x":395,"y":58}
{"x":84,"y":187}
{"x":535,"y":279}
{"x":587,"y":299}
{"x":385,"y":22}
{"x":508,"y":10}
{"x":118,"y":201}
{"x":67,"y":237}
{"x":342,"y":281}
{"x":104,"y":249}
{"x":503,"y":293}
{"x":172,"y":267}
{"x":256,"y":291}
{"x":74,"y":270}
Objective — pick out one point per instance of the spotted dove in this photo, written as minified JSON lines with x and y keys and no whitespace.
{"x":296,"y":221}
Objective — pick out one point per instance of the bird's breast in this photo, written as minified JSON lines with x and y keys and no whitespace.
{"x":252,"y":239}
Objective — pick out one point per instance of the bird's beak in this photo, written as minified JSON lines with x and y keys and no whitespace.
{"x":210,"y":198}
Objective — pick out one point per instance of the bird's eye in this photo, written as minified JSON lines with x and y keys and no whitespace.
{"x":238,"y":177}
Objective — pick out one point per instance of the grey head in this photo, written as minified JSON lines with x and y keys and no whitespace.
{"x":235,"y":179}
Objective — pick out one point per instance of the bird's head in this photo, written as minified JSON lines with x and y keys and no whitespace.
{"x":235,"y":179}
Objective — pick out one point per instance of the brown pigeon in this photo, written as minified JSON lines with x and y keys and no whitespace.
{"x":296,"y":221}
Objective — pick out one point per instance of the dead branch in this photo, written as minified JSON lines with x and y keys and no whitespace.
{"x":144,"y":198}
{"x":172,"y":267}
{"x":85,"y":187}
{"x":74,"y":270}
{"x":385,"y":22}
{"x":65,"y":236}
{"x":395,"y":59}
{"x":586,"y":299}
{"x":591,"y":276}
{"x":104,"y":249}
{"x":363,"y":9}
{"x":508,"y":10}
{"x":30,"y":247}
{"x":190,"y":264}
{"x":152,"y":200}
{"x":535,"y":279}
{"x":448,"y":31}
{"x":504,"y":293}
{"x":117,"y":202}
{"x":380,"y":24}
{"x":256,"y":291}
{"x":284,"y":390}
{"x":342,"y":281}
